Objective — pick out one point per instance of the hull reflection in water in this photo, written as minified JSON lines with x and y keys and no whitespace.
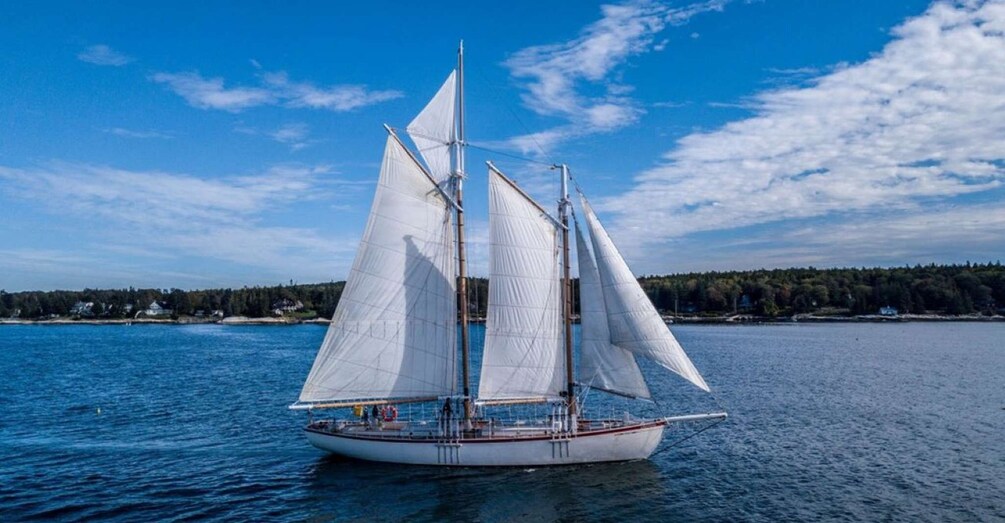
{"x":624,"y":491}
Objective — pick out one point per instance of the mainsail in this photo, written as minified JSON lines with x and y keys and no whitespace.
{"x":601,"y":365}
{"x":393,"y":332}
{"x":632,"y":319}
{"x":523,"y":357}
{"x":433,"y":129}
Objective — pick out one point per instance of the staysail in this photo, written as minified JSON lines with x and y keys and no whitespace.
{"x":602,"y":365}
{"x":523,"y":357}
{"x":433,"y":130}
{"x":393,"y":332}
{"x":632,"y":319}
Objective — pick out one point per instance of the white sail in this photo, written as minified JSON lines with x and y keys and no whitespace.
{"x":524,"y":352}
{"x":601,"y":365}
{"x":632,"y":319}
{"x":393,"y":333}
{"x":433,"y":130}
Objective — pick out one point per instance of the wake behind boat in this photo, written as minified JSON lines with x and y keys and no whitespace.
{"x":392,"y":339}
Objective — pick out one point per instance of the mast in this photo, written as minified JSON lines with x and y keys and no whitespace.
{"x":462,"y":284}
{"x":563,"y":212}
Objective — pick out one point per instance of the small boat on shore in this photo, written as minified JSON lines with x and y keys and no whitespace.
{"x":393,"y":337}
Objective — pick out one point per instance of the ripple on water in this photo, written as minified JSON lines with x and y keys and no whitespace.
{"x":828,"y":422}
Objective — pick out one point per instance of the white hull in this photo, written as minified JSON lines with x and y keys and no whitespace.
{"x":630,"y":442}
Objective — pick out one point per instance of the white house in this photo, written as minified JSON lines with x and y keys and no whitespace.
{"x":286,"y":305}
{"x":155,"y":309}
{"x":82,"y":308}
{"x":888,"y":311}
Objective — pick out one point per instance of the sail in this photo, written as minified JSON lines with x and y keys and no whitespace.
{"x":393,"y":333}
{"x":433,"y":129}
{"x":524,"y":353}
{"x":601,"y":365}
{"x":633,"y":321}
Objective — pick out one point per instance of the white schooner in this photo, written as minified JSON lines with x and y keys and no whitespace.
{"x":393,"y":337}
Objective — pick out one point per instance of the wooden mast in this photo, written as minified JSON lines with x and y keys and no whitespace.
{"x":563,"y":212}
{"x":462,"y":277}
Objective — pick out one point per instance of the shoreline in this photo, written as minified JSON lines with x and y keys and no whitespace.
{"x":740,"y":319}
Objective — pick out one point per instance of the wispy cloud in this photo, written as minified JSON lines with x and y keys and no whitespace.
{"x":917,"y":124}
{"x":141,"y":134}
{"x":153,"y":197}
{"x":295,"y":135}
{"x":669,"y":105}
{"x":556,"y":73}
{"x":221,"y":218}
{"x":210,"y":93}
{"x":274,"y":89}
{"x":338,"y":98}
{"x":943,"y":234}
{"x":104,"y":55}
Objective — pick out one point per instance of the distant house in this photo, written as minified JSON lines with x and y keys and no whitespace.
{"x":286,"y":305}
{"x":888,"y":311}
{"x":156,"y":309}
{"x":745,"y":303}
{"x":82,"y":308}
{"x":128,"y":308}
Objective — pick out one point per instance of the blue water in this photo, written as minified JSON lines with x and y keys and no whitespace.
{"x":899,"y":422}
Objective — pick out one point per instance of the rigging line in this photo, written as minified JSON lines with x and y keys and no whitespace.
{"x":474,"y":146}
{"x":495,"y":93}
{"x":685,"y":438}
{"x":579,"y":189}
{"x":510,"y":155}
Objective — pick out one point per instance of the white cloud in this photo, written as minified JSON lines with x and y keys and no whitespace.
{"x":152,"y":197}
{"x":33,"y":269}
{"x":221,"y":218}
{"x":210,"y":93}
{"x":556,"y":72}
{"x":339,"y":98}
{"x":945,"y":234}
{"x":295,"y":135}
{"x":130,"y":133}
{"x":275,"y":89}
{"x":919,"y":123}
{"x":104,"y":55}
{"x":669,"y":105}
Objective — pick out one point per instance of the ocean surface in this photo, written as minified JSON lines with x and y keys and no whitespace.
{"x":873,"y":422}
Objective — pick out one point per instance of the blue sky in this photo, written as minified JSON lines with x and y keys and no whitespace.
{"x":206,"y":144}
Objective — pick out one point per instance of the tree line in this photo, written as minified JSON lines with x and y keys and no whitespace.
{"x":945,"y":289}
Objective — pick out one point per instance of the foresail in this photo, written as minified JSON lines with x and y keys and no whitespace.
{"x":433,"y":129}
{"x":632,"y":319}
{"x":524,"y":352}
{"x":601,"y":365}
{"x":393,"y":332}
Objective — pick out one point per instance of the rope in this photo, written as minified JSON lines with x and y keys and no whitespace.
{"x":510,"y":155}
{"x":495,"y":93}
{"x":682,"y":440}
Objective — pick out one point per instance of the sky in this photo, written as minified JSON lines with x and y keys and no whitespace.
{"x":208,"y":144}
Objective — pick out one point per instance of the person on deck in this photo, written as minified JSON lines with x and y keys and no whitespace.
{"x":374,"y":416}
{"x":448,"y":410}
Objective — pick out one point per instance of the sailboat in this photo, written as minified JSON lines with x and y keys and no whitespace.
{"x":393,"y":340}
